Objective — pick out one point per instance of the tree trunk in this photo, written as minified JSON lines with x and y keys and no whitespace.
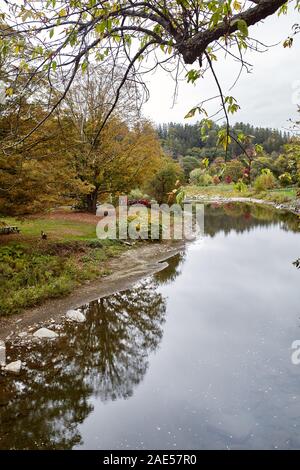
{"x":91,"y":201}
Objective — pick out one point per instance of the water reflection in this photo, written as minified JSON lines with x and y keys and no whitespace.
{"x":220,"y":320}
{"x":241,"y":217}
{"x":106,"y":357}
{"x":168,"y":275}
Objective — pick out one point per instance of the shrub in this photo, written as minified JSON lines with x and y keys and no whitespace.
{"x":240,"y":186}
{"x":200,"y":177}
{"x":205,"y":179}
{"x":246,"y":174}
{"x":194,"y":176}
{"x":217,"y":167}
{"x":234,"y":169}
{"x":265,"y":181}
{"x":164,"y":181}
{"x":216,"y":180}
{"x":136,"y":194}
{"x":143,"y":202}
{"x":189,"y":164}
{"x":259,"y":164}
{"x":228,"y":179}
{"x":285,"y":179}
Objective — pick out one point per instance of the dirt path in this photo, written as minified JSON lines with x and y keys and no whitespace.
{"x":128,"y":268}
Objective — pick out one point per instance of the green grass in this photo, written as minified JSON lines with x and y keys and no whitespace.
{"x":55,"y":229}
{"x":282,"y":195}
{"x":220,"y":188}
{"x":33,"y":270}
{"x":31,"y":274}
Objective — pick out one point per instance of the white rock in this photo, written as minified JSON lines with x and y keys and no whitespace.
{"x":2,"y":353}
{"x":44,"y":333}
{"x":23,"y":334}
{"x":14,"y":367}
{"x":75,"y":315}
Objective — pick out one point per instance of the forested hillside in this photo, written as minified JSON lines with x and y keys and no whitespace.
{"x":186,"y":140}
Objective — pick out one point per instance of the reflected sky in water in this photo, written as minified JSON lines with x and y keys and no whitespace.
{"x":196,"y":357}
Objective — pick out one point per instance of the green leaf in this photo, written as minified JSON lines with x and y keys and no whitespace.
{"x":283,"y":9}
{"x":242,"y":27}
{"x":193,"y":111}
{"x":180,"y":197}
{"x":258,"y":148}
{"x":193,"y":75}
{"x":100,"y":27}
{"x":224,"y":138}
{"x":84,"y":66}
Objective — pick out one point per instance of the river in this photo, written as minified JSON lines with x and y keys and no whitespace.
{"x":197,"y":356}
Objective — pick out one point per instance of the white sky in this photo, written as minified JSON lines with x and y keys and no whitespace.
{"x":267,"y":97}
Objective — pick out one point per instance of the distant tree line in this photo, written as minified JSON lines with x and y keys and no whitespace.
{"x":186,"y":140}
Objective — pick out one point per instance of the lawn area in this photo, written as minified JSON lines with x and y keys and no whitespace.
{"x":213,"y":190}
{"x":57,"y":226}
{"x":33,"y":270}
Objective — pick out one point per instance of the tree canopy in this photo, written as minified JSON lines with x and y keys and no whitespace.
{"x":58,"y":37}
{"x":74,"y":79}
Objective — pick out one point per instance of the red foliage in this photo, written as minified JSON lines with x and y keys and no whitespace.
{"x":228,"y":179}
{"x":144,"y":202}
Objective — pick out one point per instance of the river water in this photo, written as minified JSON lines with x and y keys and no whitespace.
{"x":197,"y":356}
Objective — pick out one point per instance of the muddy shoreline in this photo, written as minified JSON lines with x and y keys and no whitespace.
{"x":128,"y":268}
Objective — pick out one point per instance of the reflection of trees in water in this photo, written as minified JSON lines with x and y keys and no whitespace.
{"x":106,"y":357}
{"x":241,"y":217}
{"x":121,"y":332}
{"x":173,"y":269}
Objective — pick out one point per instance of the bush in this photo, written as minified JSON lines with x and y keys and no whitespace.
{"x":228,"y":179}
{"x":205,"y":180}
{"x":216,"y":180}
{"x":217,"y":167}
{"x":265,"y":181}
{"x":143,"y":202}
{"x":137,"y":194}
{"x":285,"y":179}
{"x":240,"y":186}
{"x":234,"y":169}
{"x":259,"y":164}
{"x":189,"y":164}
{"x":164,"y":181}
{"x":200,"y":177}
{"x":194,"y":175}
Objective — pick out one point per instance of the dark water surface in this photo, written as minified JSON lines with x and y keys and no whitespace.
{"x":196,"y":357}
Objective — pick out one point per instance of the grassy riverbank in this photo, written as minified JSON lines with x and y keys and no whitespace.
{"x":33,"y":270}
{"x":278,"y":196}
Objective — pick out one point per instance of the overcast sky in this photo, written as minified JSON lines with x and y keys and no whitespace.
{"x":267,"y":96}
